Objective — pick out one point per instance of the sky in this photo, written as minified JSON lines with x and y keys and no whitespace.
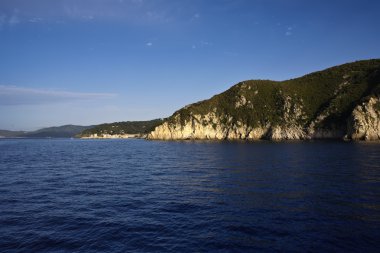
{"x":87,"y":62}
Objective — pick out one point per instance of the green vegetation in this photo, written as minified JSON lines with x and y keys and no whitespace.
{"x":127,"y":127}
{"x":10,"y":134}
{"x":66,"y":131}
{"x":333,"y":92}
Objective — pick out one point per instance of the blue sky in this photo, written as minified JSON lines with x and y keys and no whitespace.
{"x":94,"y":61}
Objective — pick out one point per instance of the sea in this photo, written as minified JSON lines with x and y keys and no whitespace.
{"x":135,"y":195}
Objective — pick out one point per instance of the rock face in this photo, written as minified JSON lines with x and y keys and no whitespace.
{"x":364,"y":123}
{"x":340,"y":102}
{"x":210,"y":127}
{"x":194,"y":129}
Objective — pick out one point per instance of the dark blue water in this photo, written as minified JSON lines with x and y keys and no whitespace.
{"x":61,"y":195}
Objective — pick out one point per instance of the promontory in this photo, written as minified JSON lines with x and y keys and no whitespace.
{"x":339,"y":102}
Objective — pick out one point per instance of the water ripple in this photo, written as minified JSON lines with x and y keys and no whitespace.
{"x":142,"y":196}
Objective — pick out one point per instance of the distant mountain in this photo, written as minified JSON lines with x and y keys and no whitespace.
{"x":342,"y":101}
{"x":65,"y":131}
{"x":10,"y":134}
{"x":120,"y":129}
{"x":116,"y":129}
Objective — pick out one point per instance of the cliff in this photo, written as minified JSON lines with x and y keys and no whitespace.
{"x":339,"y":102}
{"x":364,"y":123}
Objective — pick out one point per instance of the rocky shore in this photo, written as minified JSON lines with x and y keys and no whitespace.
{"x":341,"y":102}
{"x":363,"y":124}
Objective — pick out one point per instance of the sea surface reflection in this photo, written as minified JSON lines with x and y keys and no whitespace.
{"x":142,"y":196}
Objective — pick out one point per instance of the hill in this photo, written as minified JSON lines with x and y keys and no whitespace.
{"x":121,"y":129}
{"x":341,"y":101}
{"x":10,"y":134}
{"x":65,"y":131}
{"x":107,"y":130}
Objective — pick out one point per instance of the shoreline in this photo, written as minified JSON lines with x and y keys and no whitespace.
{"x":114,"y":136}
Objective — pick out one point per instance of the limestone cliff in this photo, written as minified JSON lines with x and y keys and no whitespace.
{"x":364,"y":123}
{"x":338,"y":102}
{"x":211,"y":126}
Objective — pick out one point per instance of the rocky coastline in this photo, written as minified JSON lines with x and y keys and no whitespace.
{"x":342,"y":102}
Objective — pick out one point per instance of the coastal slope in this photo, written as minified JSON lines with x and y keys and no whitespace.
{"x":120,"y":130}
{"x":339,"y":102}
